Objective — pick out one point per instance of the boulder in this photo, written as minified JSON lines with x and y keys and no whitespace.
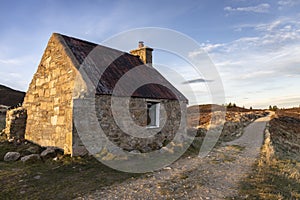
{"x":48,"y":153}
{"x":31,"y":158}
{"x":11,"y":156}
{"x":135,"y":151}
{"x":33,"y":150}
{"x":51,"y":152}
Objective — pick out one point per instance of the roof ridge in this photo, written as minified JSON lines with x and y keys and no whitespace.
{"x":75,"y":38}
{"x":114,"y":70}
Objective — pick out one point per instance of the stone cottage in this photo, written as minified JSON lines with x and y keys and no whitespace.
{"x":54,"y":87}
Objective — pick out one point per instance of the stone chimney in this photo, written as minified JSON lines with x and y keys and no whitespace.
{"x":144,"y":52}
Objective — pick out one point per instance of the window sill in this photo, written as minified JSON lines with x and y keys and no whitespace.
{"x":152,"y":127}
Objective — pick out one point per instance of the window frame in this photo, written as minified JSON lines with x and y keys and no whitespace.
{"x":157,"y":113}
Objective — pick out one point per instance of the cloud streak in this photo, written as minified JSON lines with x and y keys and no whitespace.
{"x":287,"y":3}
{"x":199,"y":80}
{"x":261,"y":8}
{"x":268,"y":59}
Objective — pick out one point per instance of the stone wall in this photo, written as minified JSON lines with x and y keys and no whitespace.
{"x":145,"y":54}
{"x":50,"y":110}
{"x":170,"y":119}
{"x":15,"y":123}
{"x":49,"y":98}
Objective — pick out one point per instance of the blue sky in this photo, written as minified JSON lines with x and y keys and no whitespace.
{"x":255,"y":44}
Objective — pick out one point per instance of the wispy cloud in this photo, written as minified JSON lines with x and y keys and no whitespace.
{"x":281,"y":101}
{"x":211,"y":47}
{"x":13,"y":80}
{"x":287,"y":3}
{"x":198,"y":80}
{"x":13,"y":73}
{"x":13,"y":61}
{"x":261,"y":8}
{"x":277,"y":33}
{"x":256,"y":74}
{"x":267,"y":60}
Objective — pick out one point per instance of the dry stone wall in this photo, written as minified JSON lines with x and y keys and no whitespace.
{"x":15,"y":123}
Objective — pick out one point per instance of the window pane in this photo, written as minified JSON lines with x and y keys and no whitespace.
{"x":152,"y":114}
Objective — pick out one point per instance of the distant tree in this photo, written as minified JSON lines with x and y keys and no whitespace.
{"x":270,"y":107}
{"x":251,"y":108}
{"x":229,"y":105}
{"x":274,"y":108}
{"x":234,"y":105}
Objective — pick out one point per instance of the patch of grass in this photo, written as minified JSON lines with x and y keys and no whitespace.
{"x":223,"y":158}
{"x":273,"y":176}
{"x":235,"y":147}
{"x":278,"y":180}
{"x":66,"y":178}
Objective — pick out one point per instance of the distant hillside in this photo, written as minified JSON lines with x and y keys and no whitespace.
{"x":10,"y":97}
{"x":207,"y":108}
{"x":201,"y":114}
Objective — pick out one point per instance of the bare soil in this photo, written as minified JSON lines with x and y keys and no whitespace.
{"x":216,"y":176}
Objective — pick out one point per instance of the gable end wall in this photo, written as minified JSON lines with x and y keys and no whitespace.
{"x":49,"y":98}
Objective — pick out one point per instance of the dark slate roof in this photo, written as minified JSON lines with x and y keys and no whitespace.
{"x":106,"y":66}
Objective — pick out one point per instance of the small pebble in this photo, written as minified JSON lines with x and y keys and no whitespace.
{"x":37,"y":177}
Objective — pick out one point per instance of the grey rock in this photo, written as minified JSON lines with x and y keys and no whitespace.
{"x":31,"y":158}
{"x":48,"y":153}
{"x":11,"y":156}
{"x":51,"y":152}
{"x":33,"y":150}
{"x":37,"y":177}
{"x":135,"y":151}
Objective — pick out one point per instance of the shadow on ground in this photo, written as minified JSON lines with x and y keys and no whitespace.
{"x":66,"y":178}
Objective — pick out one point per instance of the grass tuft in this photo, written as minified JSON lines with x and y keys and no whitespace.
{"x":66,"y":178}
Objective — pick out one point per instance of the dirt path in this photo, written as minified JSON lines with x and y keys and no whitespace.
{"x":213,"y":177}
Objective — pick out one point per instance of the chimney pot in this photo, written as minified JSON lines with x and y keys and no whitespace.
{"x":144,"y":52}
{"x":141,"y":44}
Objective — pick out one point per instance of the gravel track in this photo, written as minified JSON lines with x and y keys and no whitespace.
{"x":213,"y":177}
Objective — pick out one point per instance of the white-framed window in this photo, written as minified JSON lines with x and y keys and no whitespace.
{"x":153,"y":109}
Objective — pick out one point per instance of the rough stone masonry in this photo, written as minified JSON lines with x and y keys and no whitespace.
{"x":48,"y":107}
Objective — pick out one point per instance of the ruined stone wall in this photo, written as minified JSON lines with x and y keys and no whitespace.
{"x":49,"y":98}
{"x":169,"y":123}
{"x":15,"y":123}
